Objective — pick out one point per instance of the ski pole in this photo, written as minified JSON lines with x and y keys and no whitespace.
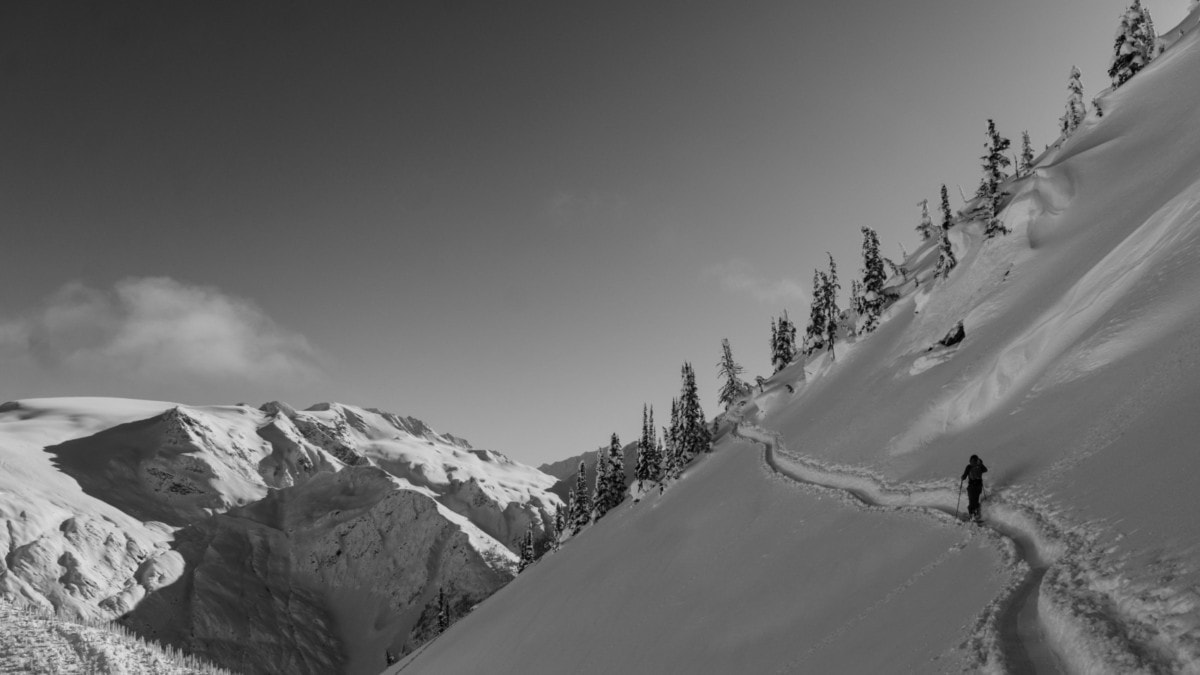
{"x":957,"y":503}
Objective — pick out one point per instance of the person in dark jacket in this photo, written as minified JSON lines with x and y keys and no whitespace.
{"x":973,"y":474}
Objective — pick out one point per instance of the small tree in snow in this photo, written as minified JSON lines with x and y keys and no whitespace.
{"x":671,"y":461}
{"x":783,"y":342}
{"x":946,"y":260}
{"x":1076,"y":109}
{"x":581,"y":504}
{"x":994,"y":162}
{"x":814,"y":334}
{"x":600,"y":499}
{"x":925,"y":228}
{"x":1026,"y":154}
{"x":857,"y":303}
{"x":648,"y":461}
{"x":732,"y":388}
{"x":695,"y":437}
{"x":610,"y":478}
{"x":1135,"y":46}
{"x":616,"y":473}
{"x":559,"y":524}
{"x":528,"y":555}
{"x":830,"y":309}
{"x":874,"y":276}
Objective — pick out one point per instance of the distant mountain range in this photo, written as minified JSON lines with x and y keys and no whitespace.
{"x":265,"y":539}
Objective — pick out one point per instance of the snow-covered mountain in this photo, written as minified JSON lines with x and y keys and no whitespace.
{"x":312,"y":541}
{"x":820,"y":536}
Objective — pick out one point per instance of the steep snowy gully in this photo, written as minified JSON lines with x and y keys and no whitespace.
{"x":1058,"y":613}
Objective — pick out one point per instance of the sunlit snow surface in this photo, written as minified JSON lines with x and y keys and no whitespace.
{"x":1079,"y":385}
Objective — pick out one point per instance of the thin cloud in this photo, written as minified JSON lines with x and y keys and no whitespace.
{"x":157,"y":328}
{"x":739,"y":276}
{"x":583,"y":206}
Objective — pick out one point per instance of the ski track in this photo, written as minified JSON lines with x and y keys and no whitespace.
{"x":1058,"y":613}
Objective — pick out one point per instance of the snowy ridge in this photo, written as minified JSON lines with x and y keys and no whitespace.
{"x":1093,"y":622}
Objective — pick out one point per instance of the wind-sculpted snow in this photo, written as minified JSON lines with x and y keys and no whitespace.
{"x":1088,"y":619}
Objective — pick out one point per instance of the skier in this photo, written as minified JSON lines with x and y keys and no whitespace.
{"x":974,"y":471}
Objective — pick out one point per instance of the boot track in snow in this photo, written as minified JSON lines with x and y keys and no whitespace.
{"x":1054,"y":616}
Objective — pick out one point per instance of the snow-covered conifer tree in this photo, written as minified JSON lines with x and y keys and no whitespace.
{"x":783,"y":342}
{"x":527,"y":553}
{"x":994,"y":162}
{"x":600,"y":499}
{"x":672,"y":464}
{"x":649,"y":463}
{"x":774,"y":339}
{"x":694,"y":431}
{"x":1076,"y":108}
{"x":559,"y":524}
{"x":814,"y":334}
{"x":616,"y":473}
{"x":946,"y":260}
{"x":874,"y":276}
{"x":733,"y":387}
{"x":925,"y":228}
{"x":581,"y":504}
{"x":857,"y":303}
{"x":1026,"y":154}
{"x":831,"y":311}
{"x":1135,"y":46}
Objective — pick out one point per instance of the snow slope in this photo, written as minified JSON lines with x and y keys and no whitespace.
{"x":1077,"y":383}
{"x":218,"y":528}
{"x":731,"y":571}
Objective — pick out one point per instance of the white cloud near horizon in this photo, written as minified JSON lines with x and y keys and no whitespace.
{"x":739,"y":276}
{"x":156,"y":328}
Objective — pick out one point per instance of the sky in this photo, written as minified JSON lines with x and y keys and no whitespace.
{"x":514,"y":221}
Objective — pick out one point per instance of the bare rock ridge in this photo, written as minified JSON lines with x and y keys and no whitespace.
{"x":266,"y":540}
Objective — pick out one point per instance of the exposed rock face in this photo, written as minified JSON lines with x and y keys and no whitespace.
{"x":268,"y":540}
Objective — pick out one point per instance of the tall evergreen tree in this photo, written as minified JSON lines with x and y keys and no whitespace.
{"x":600,"y":498}
{"x":616,"y":473}
{"x":581,"y":504}
{"x":1026,"y":154}
{"x":443,"y":617}
{"x":831,"y":311}
{"x":774,"y":340}
{"x":783,"y":342}
{"x":559,"y":524}
{"x":1076,"y":109}
{"x":672,"y":460}
{"x":946,"y":260}
{"x":695,"y":435}
{"x":925,"y":227}
{"x":732,"y":387}
{"x":858,"y":303}
{"x":1135,"y":46}
{"x":874,"y":276}
{"x":994,"y":162}
{"x":814,"y":334}
{"x":648,"y":461}
{"x":528,"y":555}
